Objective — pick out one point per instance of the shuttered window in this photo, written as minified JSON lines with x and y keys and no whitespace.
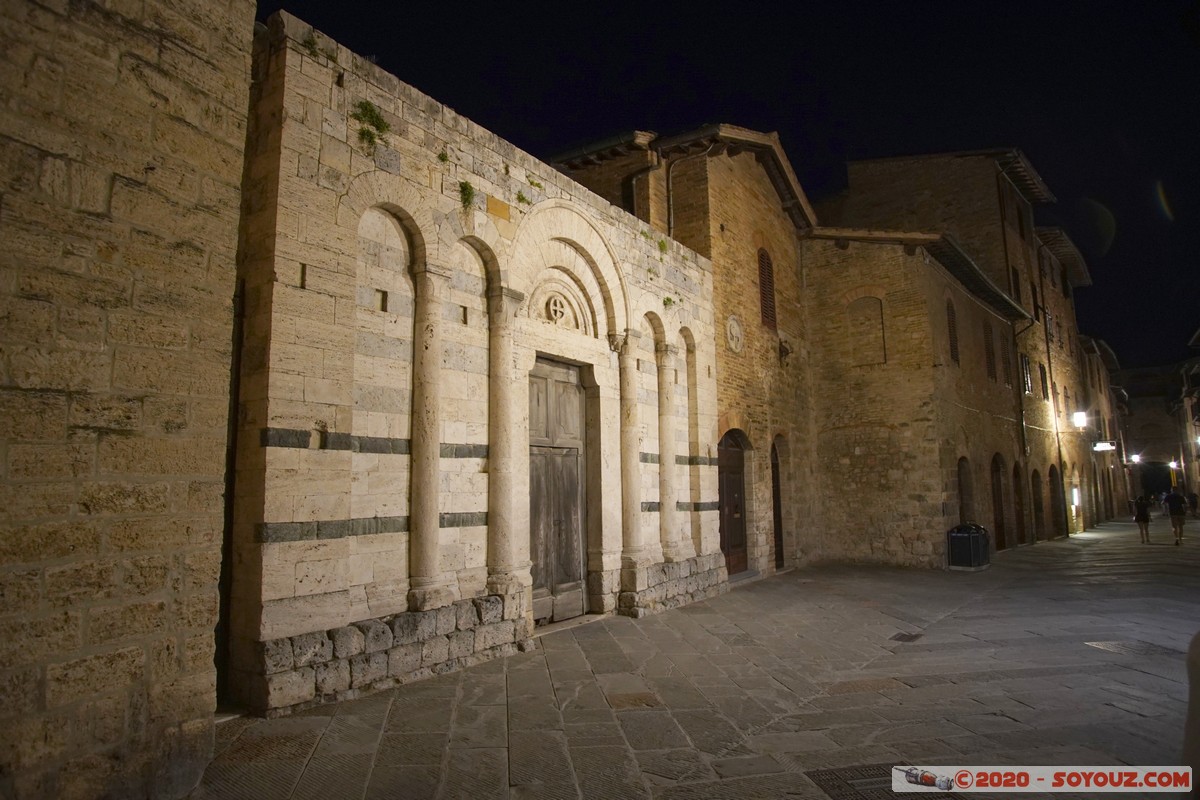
{"x":952,"y":330}
{"x":766,"y":289}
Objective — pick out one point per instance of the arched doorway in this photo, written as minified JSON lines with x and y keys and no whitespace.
{"x":731,"y":488}
{"x":1039,"y":510}
{"x":1058,"y":510}
{"x":1019,"y":502}
{"x":998,"y":531}
{"x":966,"y":492}
{"x":777,"y":504}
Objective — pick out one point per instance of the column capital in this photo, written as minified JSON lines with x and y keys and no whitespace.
{"x":623,"y":343}
{"x":431,"y":269}
{"x":507,"y":292}
{"x":665,"y":351}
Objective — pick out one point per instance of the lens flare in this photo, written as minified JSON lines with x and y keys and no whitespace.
{"x":1162,"y":200}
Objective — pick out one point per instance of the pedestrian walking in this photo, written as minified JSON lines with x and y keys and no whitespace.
{"x":1193,"y":502}
{"x":1177,"y":508}
{"x":1141,"y":516}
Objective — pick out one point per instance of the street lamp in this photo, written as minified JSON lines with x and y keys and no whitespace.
{"x":1173,"y":464}
{"x":1080,"y":419}
{"x":1135,"y":458}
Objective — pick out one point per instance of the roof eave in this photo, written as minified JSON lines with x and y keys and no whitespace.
{"x":766,"y":147}
{"x":951,"y":256}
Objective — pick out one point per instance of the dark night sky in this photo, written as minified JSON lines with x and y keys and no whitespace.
{"x":1103,"y":97}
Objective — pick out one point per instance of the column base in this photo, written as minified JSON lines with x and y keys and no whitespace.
{"x":428,"y":598}
{"x":508,"y":583}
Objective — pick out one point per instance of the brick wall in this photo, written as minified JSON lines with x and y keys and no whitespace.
{"x":894,"y":413}
{"x":760,"y":392}
{"x":121,"y":148}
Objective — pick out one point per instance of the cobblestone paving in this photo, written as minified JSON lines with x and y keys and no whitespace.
{"x":1066,"y":652}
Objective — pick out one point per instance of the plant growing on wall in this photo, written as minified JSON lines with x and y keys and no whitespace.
{"x":443,"y":156}
{"x":466,"y":193}
{"x":521,"y":198}
{"x":534,"y":182}
{"x":374,"y":126}
{"x":668,"y":302}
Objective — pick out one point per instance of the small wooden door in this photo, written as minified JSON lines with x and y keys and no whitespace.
{"x":731,"y":486}
{"x":556,"y":491}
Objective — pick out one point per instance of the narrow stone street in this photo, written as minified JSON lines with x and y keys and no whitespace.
{"x":1066,"y":652}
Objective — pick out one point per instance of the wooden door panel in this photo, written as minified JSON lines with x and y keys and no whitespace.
{"x":731,"y":484}
{"x":539,"y":410}
{"x":556,"y":491}
{"x":540,"y":517}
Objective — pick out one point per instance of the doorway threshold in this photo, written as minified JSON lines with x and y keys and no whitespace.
{"x":742,"y":577}
{"x":574,"y":622}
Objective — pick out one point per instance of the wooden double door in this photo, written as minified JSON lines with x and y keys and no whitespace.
{"x":556,"y":491}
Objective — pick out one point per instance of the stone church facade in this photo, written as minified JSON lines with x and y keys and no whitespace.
{"x":474,"y":397}
{"x":370,"y":393}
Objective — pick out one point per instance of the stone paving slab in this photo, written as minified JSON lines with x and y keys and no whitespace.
{"x":1065,"y":652}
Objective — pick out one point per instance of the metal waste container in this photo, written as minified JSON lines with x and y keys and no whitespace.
{"x":968,"y":547}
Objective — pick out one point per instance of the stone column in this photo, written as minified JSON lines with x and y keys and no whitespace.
{"x":505,"y":454}
{"x":633,"y":553}
{"x":668,"y":517}
{"x":429,"y":588}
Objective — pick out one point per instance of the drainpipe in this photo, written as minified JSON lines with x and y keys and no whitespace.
{"x":670,"y":191}
{"x":655,"y":165}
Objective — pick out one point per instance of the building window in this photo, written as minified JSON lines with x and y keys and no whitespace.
{"x":952,"y":328}
{"x":1037,"y":310}
{"x":1026,"y":374}
{"x":766,"y":289}
{"x":1016,"y":284}
{"x":1045,"y":385}
{"x":1067,"y":401}
{"x":1066,"y":284}
{"x":990,"y":347}
{"x":1054,"y":394}
{"x":1006,"y":360}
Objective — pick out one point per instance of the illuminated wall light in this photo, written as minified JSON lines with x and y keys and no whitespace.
{"x":1075,"y":496}
{"x":1080,"y":419}
{"x":1135,"y":458}
{"x":1173,"y":465}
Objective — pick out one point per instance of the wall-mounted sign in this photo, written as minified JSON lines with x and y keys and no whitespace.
{"x":1104,"y":447}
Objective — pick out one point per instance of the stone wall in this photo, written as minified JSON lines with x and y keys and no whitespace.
{"x":763,"y":389}
{"x":296,"y":672}
{"x":893,"y":411}
{"x":404,"y":271}
{"x":121,"y":142}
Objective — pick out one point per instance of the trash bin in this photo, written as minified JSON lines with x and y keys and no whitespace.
{"x":968,"y":547}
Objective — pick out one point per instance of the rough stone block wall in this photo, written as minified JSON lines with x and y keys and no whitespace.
{"x":121,"y":142}
{"x":675,"y":584}
{"x":324,"y":666}
{"x":876,"y":421}
{"x":891,"y":432}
